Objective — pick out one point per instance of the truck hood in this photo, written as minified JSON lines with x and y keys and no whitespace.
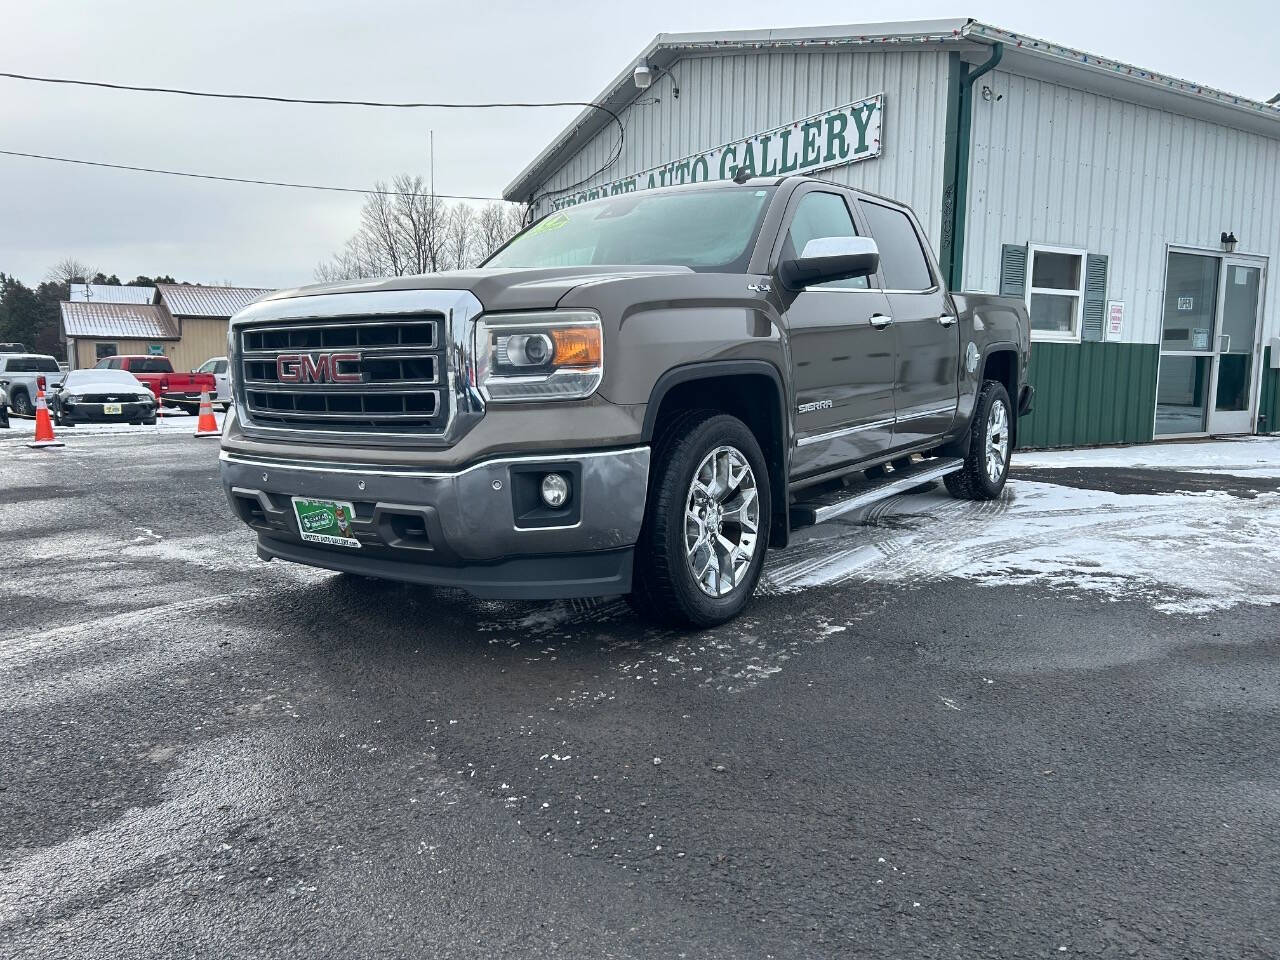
{"x":530,"y":288}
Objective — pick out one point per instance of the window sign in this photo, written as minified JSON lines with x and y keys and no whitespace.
{"x":1200,"y":338}
{"x":155,"y":349}
{"x":1186,"y":303}
{"x":1115,"y":319}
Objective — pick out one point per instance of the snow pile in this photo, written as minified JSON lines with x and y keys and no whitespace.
{"x":1187,"y":552}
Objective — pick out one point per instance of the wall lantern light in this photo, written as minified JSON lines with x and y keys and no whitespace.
{"x":1229,"y":242}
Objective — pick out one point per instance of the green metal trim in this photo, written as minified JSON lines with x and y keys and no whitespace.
{"x":1269,"y":401}
{"x":962,"y":88}
{"x":950,"y":149}
{"x":1090,"y":394}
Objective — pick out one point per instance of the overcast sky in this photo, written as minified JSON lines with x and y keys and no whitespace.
{"x":131,"y":223}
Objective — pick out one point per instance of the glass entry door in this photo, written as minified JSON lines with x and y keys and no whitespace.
{"x":1210,"y":349}
{"x":1238,"y":348}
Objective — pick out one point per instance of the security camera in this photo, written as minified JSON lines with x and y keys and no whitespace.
{"x":643,"y":77}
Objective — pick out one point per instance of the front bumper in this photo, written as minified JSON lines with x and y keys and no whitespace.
{"x":95,"y":413}
{"x":469,"y":528}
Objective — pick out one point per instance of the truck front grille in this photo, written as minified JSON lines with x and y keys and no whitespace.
{"x":351,"y":375}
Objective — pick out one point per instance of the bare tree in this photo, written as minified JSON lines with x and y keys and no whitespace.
{"x":404,"y":229}
{"x":461,"y":239}
{"x":517,"y":218}
{"x":491,"y":229}
{"x":69,"y":270}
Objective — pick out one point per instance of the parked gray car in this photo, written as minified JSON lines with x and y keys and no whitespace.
{"x":636,"y":395}
{"x":20,"y":374}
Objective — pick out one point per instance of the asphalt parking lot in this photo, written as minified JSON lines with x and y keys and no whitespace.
{"x":1040,"y":727}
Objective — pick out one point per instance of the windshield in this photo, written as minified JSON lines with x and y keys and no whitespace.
{"x":703,"y":229}
{"x":78,"y":378}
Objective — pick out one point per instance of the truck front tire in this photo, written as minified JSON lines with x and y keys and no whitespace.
{"x":706,"y":525}
{"x":990,"y":445}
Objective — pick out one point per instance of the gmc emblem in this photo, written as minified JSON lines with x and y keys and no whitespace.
{"x":317,"y":368}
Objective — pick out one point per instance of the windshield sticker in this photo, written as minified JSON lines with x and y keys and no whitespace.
{"x":553,"y":222}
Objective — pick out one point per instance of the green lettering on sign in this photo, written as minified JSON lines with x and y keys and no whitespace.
{"x":842,"y":135}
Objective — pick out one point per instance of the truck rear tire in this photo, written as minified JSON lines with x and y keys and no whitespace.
{"x":21,"y":403}
{"x":990,"y":445}
{"x":706,"y":526}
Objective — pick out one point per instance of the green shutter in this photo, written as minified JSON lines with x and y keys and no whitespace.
{"x":1095,"y":296}
{"x":1013,"y":270}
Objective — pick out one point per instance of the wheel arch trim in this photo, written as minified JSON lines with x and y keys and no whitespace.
{"x":780,"y":527}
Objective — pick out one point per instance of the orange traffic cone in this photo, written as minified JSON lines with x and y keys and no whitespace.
{"x":206,"y":426}
{"x":44,"y":426}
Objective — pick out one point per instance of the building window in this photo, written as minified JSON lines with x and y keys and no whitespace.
{"x":1055,"y":296}
{"x":103,"y":350}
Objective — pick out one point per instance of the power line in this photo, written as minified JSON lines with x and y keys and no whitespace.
{"x":406,"y":105}
{"x":312,"y":101}
{"x":265,"y":183}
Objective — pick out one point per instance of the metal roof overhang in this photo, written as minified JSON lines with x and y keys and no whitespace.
{"x":1023,"y":55}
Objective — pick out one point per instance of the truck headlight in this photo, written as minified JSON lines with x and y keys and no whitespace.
{"x":557,"y":355}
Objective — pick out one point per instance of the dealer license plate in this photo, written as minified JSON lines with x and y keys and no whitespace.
{"x":110,"y":408}
{"x":325,"y":521}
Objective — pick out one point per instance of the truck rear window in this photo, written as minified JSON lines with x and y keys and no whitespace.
{"x":32,"y":365}
{"x":709,"y":229}
{"x":150,"y":365}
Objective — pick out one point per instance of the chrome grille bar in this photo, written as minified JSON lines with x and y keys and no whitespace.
{"x":401,"y":360}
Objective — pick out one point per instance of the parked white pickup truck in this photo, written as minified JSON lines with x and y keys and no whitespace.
{"x":20,"y":376}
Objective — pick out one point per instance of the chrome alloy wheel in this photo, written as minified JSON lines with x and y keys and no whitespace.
{"x":997,"y":441}
{"x":721,"y":521}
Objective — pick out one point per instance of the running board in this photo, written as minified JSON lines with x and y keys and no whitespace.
{"x":862,"y":493}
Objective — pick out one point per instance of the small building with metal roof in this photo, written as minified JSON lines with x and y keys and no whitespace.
{"x":111,"y":293}
{"x":186,"y":322}
{"x":1138,"y":214}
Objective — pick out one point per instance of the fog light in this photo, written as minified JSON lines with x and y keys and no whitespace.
{"x":555,"y":490}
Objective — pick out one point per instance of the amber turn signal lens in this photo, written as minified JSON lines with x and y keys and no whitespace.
{"x":577,"y":346}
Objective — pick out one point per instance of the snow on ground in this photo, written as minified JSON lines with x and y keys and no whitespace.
{"x":1183,"y":553}
{"x":1246,"y":456}
{"x":22,"y":430}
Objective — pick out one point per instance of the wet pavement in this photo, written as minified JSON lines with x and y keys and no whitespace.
{"x":1042,"y":727}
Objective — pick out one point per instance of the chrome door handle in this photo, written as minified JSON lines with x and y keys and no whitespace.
{"x":879,"y":320}
{"x":946,"y":321}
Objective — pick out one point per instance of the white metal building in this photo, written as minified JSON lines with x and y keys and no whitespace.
{"x":1138,"y":214}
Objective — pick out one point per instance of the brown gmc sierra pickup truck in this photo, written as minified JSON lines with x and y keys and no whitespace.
{"x":636,"y":395}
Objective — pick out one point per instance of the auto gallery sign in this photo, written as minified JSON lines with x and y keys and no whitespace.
{"x":843,"y":135}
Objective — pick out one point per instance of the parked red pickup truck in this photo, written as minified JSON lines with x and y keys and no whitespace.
{"x":171,"y":388}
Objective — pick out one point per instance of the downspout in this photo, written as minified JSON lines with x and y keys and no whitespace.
{"x":956,"y":191}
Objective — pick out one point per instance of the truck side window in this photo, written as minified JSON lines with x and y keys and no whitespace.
{"x":820,"y":214}
{"x":902,"y":260}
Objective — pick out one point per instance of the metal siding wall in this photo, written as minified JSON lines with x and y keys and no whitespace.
{"x":85,"y":348}
{"x":725,"y":98}
{"x":1053,"y":164}
{"x":202,"y":339}
{"x":1090,"y":394}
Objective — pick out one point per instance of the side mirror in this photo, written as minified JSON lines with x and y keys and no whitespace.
{"x":831,"y":258}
